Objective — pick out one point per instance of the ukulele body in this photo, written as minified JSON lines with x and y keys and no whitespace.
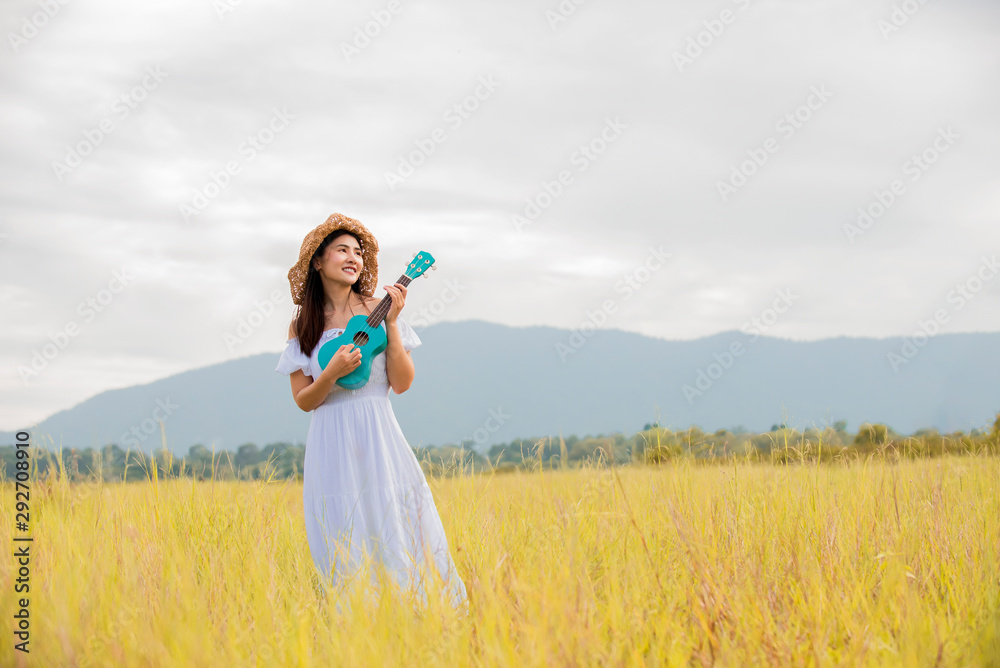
{"x":371,"y":340}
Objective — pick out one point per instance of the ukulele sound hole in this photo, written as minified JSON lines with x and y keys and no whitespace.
{"x":360,"y":338}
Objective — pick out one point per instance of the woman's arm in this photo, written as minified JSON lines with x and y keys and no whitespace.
{"x":398,"y":362}
{"x":309,"y":394}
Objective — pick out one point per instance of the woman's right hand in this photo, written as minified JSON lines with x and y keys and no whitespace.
{"x":343,"y":362}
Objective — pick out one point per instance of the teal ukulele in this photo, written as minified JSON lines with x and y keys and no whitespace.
{"x":367,"y":331}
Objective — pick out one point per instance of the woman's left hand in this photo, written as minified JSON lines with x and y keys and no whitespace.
{"x":398,"y":294}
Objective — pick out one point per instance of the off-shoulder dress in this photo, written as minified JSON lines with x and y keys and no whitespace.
{"x":364,"y":490}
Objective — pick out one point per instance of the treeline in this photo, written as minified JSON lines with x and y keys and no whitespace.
{"x":656,"y":444}
{"x":652,"y":445}
{"x":111,"y":463}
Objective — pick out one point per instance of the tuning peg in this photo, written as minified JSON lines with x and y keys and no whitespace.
{"x":414,"y":255}
{"x":434,"y":268}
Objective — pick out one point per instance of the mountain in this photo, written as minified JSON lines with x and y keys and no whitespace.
{"x":490,"y":383}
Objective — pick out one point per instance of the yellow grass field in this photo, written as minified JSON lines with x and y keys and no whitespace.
{"x":874,"y":562}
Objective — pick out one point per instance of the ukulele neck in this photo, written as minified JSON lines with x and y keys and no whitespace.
{"x":380,"y":311}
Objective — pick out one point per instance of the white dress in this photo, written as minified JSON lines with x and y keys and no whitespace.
{"x":364,"y":491}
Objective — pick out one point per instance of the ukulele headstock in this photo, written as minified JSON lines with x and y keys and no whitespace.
{"x":420,"y":263}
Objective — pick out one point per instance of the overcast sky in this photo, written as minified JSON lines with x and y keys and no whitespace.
{"x":117,"y":114}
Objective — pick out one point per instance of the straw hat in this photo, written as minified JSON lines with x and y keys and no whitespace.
{"x":369,"y":255}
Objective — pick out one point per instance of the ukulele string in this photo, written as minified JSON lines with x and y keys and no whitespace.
{"x":368,"y":327}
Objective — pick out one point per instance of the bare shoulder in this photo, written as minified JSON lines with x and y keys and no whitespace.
{"x":291,"y":330}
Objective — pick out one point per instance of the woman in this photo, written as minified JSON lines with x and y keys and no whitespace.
{"x":364,"y":491}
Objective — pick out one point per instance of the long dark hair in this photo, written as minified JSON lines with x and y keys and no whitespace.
{"x":310,"y":321}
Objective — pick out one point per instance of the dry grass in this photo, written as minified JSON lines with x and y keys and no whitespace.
{"x":870,"y":563}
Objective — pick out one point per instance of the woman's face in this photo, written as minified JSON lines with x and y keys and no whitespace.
{"x":341,"y":260}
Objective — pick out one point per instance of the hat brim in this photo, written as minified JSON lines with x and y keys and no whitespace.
{"x":368,"y":278}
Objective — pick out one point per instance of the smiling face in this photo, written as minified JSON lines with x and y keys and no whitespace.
{"x":341,"y":260}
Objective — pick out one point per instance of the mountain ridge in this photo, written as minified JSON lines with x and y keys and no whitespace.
{"x":469,"y":378}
